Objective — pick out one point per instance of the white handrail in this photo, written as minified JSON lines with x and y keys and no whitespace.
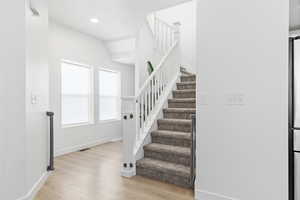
{"x":156,"y":69}
{"x":163,"y":32}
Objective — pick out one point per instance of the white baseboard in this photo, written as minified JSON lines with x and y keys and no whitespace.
{"x":36,"y":187}
{"x":205,"y":195}
{"x":83,"y":146}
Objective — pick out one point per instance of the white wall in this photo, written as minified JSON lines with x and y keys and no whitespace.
{"x":65,"y":43}
{"x":242,"y":150}
{"x":185,"y":14}
{"x":23,"y":149}
{"x":145,"y":51}
{"x":37,"y":86}
{"x":294,"y":14}
{"x":122,"y":51}
{"x":12,"y":100}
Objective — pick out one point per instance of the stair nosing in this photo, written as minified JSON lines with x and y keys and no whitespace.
{"x":192,"y":75}
{"x":185,"y":90}
{"x":187,"y":83}
{"x":180,"y":110}
{"x":183,"y":122}
{"x":182,"y":100}
{"x":164,"y":149}
{"x":164,"y":166}
{"x":172,"y":134}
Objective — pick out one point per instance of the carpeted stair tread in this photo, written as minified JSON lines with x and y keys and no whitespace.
{"x":180,"y":110}
{"x":186,"y":85}
{"x":188,"y":93}
{"x":176,"y":121}
{"x":176,"y":150}
{"x":172,"y":134}
{"x":183,"y":122}
{"x":184,"y":125}
{"x":185,"y":91}
{"x":182,"y":100}
{"x":175,"y":138}
{"x":182,"y":103}
{"x":165,"y":167}
{"x":179,"y":113}
{"x":188,"y":78}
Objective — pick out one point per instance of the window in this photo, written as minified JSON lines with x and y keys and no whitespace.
{"x":109,"y":95}
{"x":77,"y":94}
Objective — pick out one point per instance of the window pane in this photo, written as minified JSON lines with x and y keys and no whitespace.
{"x":109,"y":108}
{"x":109,"y":95}
{"x":75,"y":79}
{"x":75,"y":109}
{"x":76,"y":94}
{"x":109,"y":83}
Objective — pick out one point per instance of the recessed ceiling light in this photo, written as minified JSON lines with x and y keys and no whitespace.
{"x":94,"y":20}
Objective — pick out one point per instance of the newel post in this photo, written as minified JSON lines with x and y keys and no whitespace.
{"x":129,"y":122}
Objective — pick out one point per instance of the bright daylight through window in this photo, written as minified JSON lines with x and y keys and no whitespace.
{"x":76,"y":86}
{"x":109,"y":95}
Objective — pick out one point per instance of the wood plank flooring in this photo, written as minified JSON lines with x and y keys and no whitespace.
{"x":95,"y":175}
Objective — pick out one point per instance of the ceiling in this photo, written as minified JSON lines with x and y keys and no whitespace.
{"x":121,"y":18}
{"x":294,"y":14}
{"x":117,"y":18}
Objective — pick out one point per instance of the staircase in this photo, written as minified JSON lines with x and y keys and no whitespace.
{"x":169,"y":158}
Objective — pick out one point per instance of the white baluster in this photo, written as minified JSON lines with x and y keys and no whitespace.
{"x":143,"y":113}
{"x":161,"y":82}
{"x":152,"y":93}
{"x":158,"y":85}
{"x":147,"y":102}
{"x":140,"y":119}
{"x":156,"y":89}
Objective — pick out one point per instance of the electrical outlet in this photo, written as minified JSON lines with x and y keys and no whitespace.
{"x":34,"y":99}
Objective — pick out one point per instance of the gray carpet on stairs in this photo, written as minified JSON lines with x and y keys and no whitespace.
{"x":168,"y":157}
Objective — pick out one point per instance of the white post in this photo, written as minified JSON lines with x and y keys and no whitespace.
{"x":129,"y":125}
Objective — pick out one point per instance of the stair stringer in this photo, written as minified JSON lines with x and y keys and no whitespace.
{"x":157,"y":114}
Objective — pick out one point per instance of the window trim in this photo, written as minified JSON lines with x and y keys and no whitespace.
{"x":91,"y":95}
{"x":103,"y":121}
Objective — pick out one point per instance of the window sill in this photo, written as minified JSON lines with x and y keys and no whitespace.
{"x":76,"y":125}
{"x":109,"y":121}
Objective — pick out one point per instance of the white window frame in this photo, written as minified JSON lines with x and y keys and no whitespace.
{"x":98,"y":96}
{"x":91,"y":94}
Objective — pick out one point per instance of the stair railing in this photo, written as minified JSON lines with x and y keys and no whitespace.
{"x":140,"y":112}
{"x":165,"y":34}
{"x":51,"y":145}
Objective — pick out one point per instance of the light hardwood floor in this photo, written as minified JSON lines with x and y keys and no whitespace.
{"x":95,"y":175}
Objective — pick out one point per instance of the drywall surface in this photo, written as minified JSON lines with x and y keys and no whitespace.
{"x":37,"y":93}
{"x":122,"y":51}
{"x":12,"y":100}
{"x":242,"y":91}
